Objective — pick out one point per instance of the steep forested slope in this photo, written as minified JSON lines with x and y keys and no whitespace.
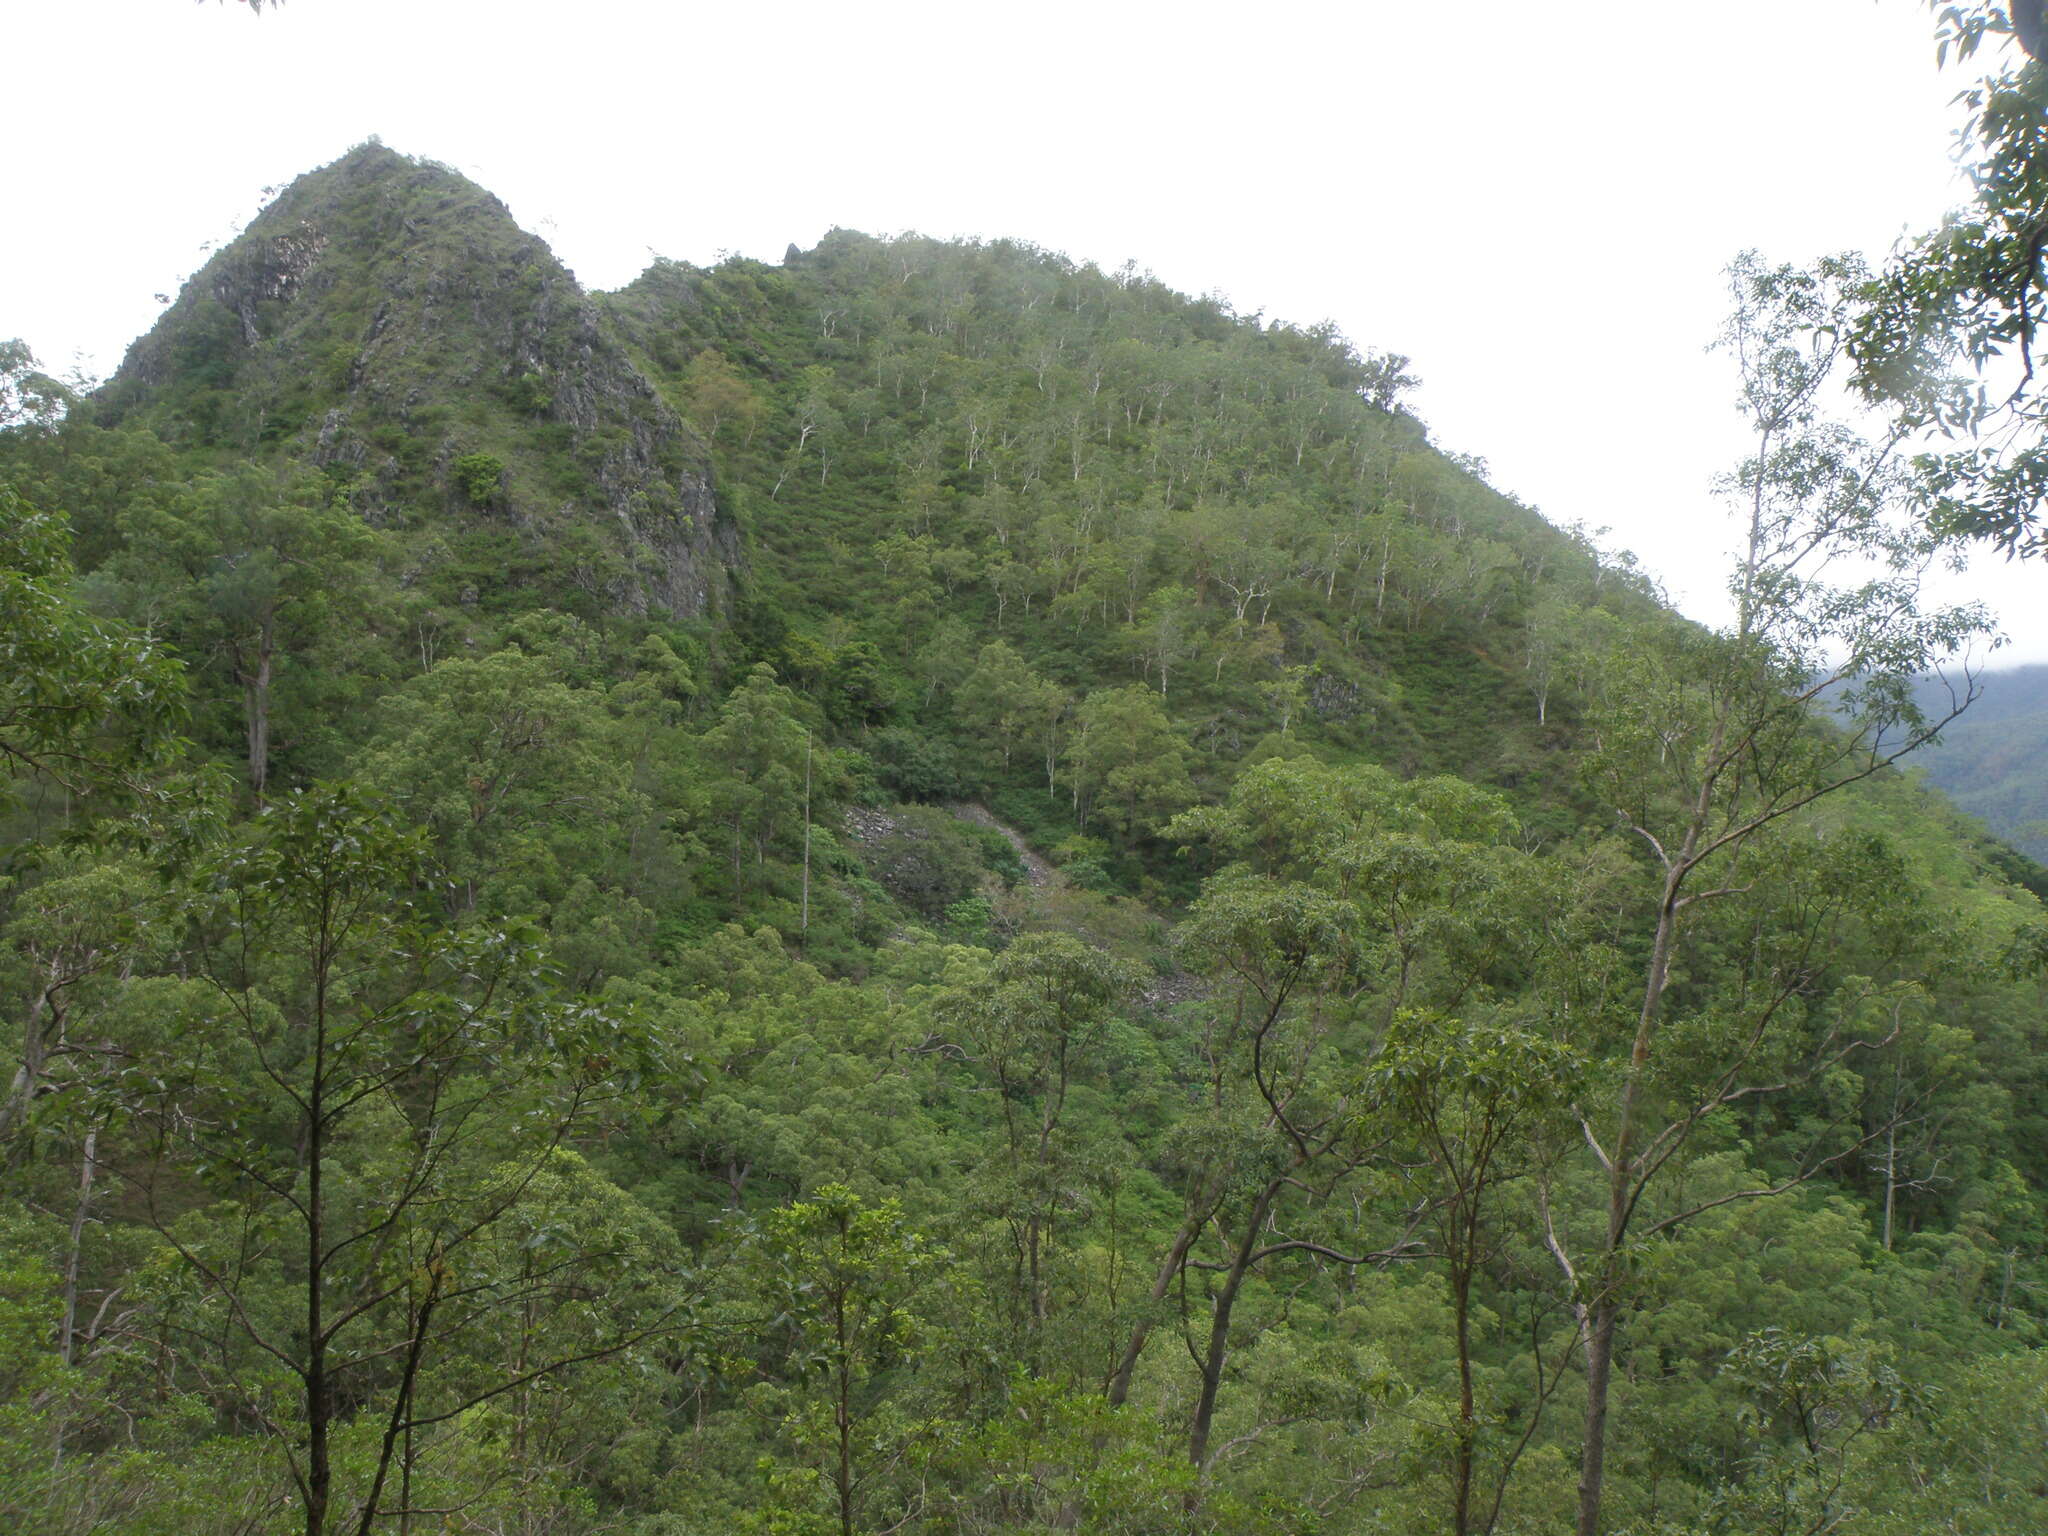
{"x":1089,"y":935}
{"x":947,"y":444}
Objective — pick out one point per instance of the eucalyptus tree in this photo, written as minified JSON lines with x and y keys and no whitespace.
{"x":85,"y":922}
{"x":1345,"y":897}
{"x":846,"y":1282}
{"x":86,"y":706}
{"x":250,"y":572}
{"x":1948,"y":336}
{"x":84,"y":703}
{"x":817,"y":423}
{"x":1032,"y":1023}
{"x":1459,"y":1100}
{"x":757,"y":751}
{"x":352,"y":1132}
{"x":1003,"y":701}
{"x":1709,"y":747}
{"x":717,"y":394}
{"x":1126,"y":761}
{"x":516,"y":773}
{"x":1809,"y":1402}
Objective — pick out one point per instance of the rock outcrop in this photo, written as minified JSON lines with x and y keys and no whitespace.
{"x":384,"y":318}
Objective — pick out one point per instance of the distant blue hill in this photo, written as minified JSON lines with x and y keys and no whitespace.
{"x":1993,"y":761}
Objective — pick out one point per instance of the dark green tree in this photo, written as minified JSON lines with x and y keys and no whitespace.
{"x":1032,"y":1022}
{"x":84,"y":703}
{"x":368,"y":1104}
{"x":1948,"y":333}
{"x":845,"y":1279}
{"x":251,"y":573}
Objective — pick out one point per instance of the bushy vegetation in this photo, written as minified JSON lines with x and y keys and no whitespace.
{"x":1160,"y":959}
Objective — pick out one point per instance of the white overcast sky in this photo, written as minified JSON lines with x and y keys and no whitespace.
{"x":1534,"y":201}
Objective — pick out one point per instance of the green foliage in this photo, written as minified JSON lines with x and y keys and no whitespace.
{"x":716,"y":395}
{"x":1100,"y":477}
{"x":600,"y":1106}
{"x":928,"y":860}
{"x":82,"y":701}
{"x":915,"y":764}
{"x":510,"y":770}
{"x":479,"y":477}
{"x":844,"y":1280}
{"x":381,"y":1107}
{"x":1959,"y":306}
{"x":252,"y":571}
{"x":1127,"y":761}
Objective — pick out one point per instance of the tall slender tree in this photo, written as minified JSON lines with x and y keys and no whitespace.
{"x":1706,"y":746}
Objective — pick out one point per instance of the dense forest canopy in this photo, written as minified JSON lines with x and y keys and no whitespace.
{"x":928,"y":889}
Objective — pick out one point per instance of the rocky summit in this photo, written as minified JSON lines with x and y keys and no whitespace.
{"x":386,"y":320}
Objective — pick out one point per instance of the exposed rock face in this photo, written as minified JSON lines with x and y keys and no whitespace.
{"x":385,"y":317}
{"x":271,"y":267}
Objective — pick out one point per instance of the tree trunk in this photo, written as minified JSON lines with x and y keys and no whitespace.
{"x":1621,"y":1183}
{"x":319,"y":1405}
{"x":88,"y":1166}
{"x":1461,"y":1471}
{"x":256,"y":705}
{"x":1219,"y":1328}
{"x":1593,"y":1456}
{"x":842,"y":1411}
{"x":1120,"y":1383}
{"x":1891,"y":1174}
{"x":45,"y":1024}
{"x":398,"y":1429}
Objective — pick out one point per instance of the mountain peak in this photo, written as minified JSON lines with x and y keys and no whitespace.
{"x":383,"y":318}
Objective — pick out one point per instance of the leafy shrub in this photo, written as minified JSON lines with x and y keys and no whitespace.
{"x":1085,"y":862}
{"x":915,"y":765}
{"x":927,"y":860}
{"x":998,"y":855}
{"x":970,"y":918}
{"x":530,"y":393}
{"x":479,"y":476}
